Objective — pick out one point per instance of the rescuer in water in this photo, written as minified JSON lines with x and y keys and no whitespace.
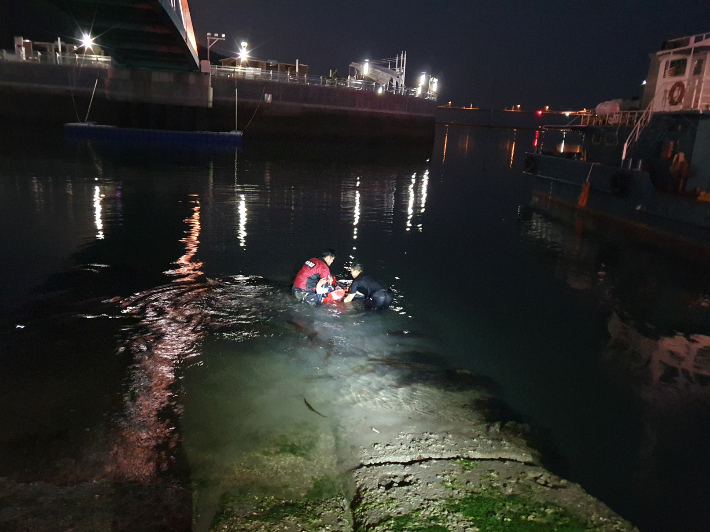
{"x":367,"y":287}
{"x":313,"y":280}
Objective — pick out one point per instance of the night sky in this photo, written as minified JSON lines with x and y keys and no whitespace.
{"x":499,"y":53}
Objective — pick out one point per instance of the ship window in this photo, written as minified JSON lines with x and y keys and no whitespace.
{"x":698,"y":67}
{"x":675,"y":67}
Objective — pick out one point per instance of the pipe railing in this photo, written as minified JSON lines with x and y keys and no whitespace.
{"x":61,"y":59}
{"x":324,"y":81}
{"x":620,"y":118}
{"x":641,"y":123}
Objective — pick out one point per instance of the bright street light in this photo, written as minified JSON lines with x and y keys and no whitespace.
{"x":243,"y":54}
{"x":87,"y":41}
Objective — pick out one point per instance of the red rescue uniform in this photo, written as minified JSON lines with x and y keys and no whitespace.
{"x":309,"y":275}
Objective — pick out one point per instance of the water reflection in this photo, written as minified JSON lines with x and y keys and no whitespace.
{"x":659,"y":360}
{"x":465,"y":142}
{"x":412,"y":207}
{"x":423,"y":192}
{"x":170,"y":328}
{"x":97,"y":213}
{"x":188,"y":271}
{"x":242,"y":233}
{"x":662,"y":367}
{"x":655,"y":360}
{"x":574,"y":257}
{"x":356,"y":217}
{"x":446,"y":143}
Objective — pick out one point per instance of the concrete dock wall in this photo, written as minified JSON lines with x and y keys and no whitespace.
{"x":52,"y":95}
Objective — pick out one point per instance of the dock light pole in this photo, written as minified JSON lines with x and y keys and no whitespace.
{"x":211,"y":40}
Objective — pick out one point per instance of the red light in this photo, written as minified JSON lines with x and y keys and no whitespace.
{"x":539,"y":113}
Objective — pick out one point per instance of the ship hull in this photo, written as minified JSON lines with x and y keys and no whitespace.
{"x":621,"y":198}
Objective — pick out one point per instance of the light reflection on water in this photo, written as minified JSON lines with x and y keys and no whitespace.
{"x":657,"y":348}
{"x":170,"y":329}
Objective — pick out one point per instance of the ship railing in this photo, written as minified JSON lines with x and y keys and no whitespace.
{"x":61,"y":59}
{"x":682,"y":42}
{"x":323,"y":81}
{"x":643,"y":121}
{"x":84,"y":60}
{"x":619,"y":119}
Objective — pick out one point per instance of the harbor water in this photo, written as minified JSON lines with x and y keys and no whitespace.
{"x":153,"y":358}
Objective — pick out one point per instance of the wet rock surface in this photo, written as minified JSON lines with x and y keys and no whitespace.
{"x":467,"y":495}
{"x":470,"y":476}
{"x":431,"y":482}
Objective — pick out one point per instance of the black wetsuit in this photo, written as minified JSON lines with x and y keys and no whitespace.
{"x":376,"y":293}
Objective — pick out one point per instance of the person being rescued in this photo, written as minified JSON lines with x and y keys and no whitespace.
{"x":313,"y":280}
{"x":367,"y":287}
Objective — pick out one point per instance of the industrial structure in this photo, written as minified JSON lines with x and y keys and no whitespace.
{"x":135,"y":65}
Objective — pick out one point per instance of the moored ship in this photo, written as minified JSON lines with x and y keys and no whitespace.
{"x":649,"y":169}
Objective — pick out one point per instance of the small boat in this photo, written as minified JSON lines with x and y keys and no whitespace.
{"x":104,"y":133}
{"x":646,"y":169}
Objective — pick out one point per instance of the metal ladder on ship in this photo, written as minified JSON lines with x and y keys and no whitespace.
{"x":640,"y":125}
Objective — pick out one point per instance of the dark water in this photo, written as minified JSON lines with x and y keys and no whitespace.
{"x":148,"y":339}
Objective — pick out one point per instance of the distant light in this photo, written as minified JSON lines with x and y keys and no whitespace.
{"x":244,"y":44}
{"x":422,"y":80}
{"x":539,"y":113}
{"x":87,"y":42}
{"x":567,"y":113}
{"x":223,"y":35}
{"x":366,"y":67}
{"x":434,"y":84}
{"x":643,"y":82}
{"x":209,"y":34}
{"x":380,"y":90}
{"x":243,"y":55}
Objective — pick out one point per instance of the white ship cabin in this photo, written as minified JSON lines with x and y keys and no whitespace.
{"x":679,"y":75}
